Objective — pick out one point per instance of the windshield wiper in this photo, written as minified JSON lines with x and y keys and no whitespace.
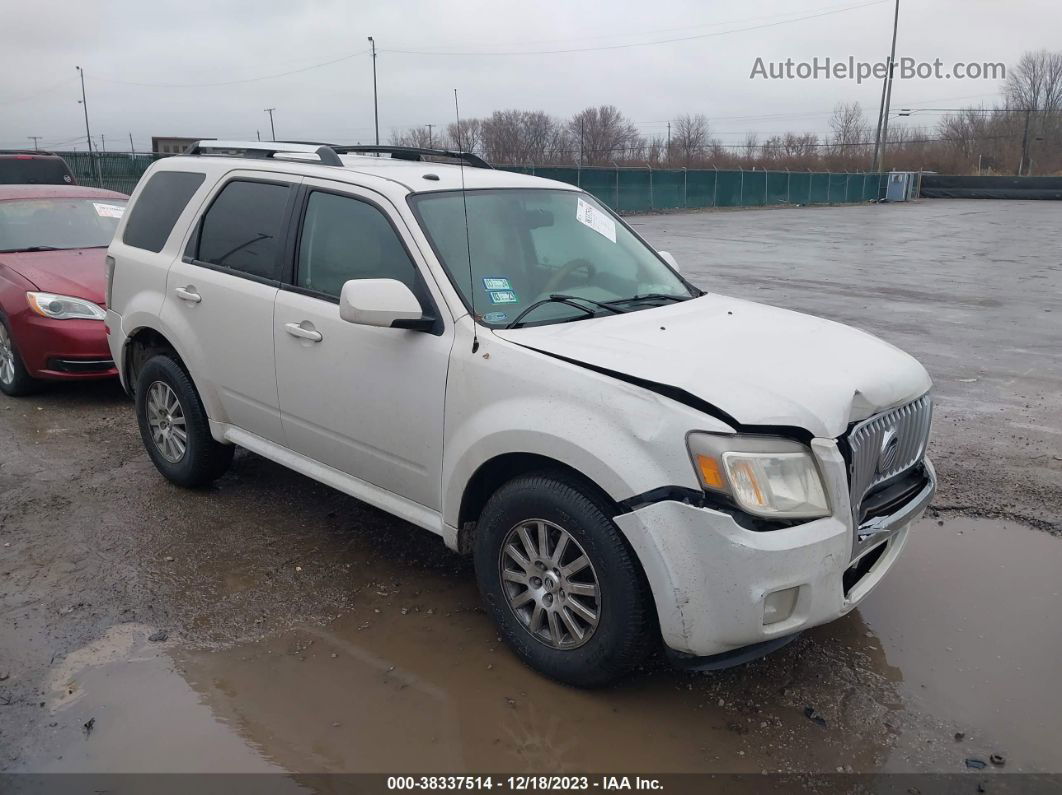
{"x":32,"y":248}
{"x":567,"y":300}
{"x":648,"y":297}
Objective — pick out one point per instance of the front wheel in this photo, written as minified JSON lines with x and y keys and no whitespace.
{"x":560,"y":582}
{"x":174,"y":425}
{"x":15,"y":380}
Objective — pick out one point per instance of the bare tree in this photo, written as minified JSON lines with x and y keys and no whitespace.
{"x":518,"y":137}
{"x":602,"y":135}
{"x":465,"y":136}
{"x":414,"y":136}
{"x":1036,"y":82}
{"x":851,"y":135}
{"x":690,"y":136}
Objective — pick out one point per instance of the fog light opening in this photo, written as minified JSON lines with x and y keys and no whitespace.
{"x":779,"y":605}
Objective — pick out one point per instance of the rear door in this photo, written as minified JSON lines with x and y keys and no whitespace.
{"x":220,"y":296}
{"x":364,"y":400}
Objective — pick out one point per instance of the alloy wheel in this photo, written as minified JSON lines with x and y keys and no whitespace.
{"x":165,"y":417}
{"x":7,"y":356}
{"x":550,"y":584}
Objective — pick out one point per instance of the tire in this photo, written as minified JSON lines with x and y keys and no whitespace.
{"x":625,"y":627}
{"x":15,"y":380}
{"x":166,"y":403}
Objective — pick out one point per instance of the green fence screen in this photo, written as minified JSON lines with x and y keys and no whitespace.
{"x":643,"y":189}
{"x":625,"y":189}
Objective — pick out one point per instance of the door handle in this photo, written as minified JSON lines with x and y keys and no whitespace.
{"x":188,"y":294}
{"x":303,"y":333}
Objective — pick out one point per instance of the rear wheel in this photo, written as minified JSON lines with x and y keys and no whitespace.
{"x":560,"y":582}
{"x":174,"y":425}
{"x":15,"y":380}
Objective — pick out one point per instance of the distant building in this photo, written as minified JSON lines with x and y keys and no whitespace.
{"x":168,"y":145}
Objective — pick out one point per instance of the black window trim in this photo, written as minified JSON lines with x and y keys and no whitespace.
{"x":428,"y":305}
{"x":282,"y":265}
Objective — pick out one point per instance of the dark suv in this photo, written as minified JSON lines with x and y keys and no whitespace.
{"x":34,"y":168}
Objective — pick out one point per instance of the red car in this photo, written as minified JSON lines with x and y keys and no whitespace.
{"x":53,"y":245}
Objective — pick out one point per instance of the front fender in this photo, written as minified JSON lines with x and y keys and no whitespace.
{"x":508,"y":399}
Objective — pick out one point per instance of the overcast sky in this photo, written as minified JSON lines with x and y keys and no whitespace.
{"x":482,"y":48}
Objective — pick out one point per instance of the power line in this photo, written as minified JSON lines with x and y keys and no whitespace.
{"x":235,"y":82}
{"x":823,"y":13}
{"x":642,"y":43}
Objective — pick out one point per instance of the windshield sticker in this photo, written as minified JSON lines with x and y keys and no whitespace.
{"x":108,"y":210}
{"x":595,"y":219}
{"x":503,"y":297}
{"x":495,"y":317}
{"x":496,"y":283}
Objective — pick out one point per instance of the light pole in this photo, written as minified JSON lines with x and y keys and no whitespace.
{"x":886,"y":98}
{"x":88,"y":132}
{"x":34,"y":138}
{"x":375,"y":106}
{"x":429,"y":126}
{"x":272,"y":129}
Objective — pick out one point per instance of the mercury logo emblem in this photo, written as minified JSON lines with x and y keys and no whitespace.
{"x":890,"y":446}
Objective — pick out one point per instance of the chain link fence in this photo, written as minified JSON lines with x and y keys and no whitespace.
{"x":624,"y":189}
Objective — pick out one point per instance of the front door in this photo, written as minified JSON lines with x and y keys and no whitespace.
{"x":366,"y":401}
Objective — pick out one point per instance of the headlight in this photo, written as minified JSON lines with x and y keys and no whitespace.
{"x":63,"y":307}
{"x":765,"y":476}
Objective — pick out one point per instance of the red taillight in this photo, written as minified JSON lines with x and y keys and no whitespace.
{"x":23,"y":157}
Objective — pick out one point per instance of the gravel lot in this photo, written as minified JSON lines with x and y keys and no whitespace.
{"x":305,"y":631}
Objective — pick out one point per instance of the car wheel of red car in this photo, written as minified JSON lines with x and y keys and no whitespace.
{"x":14,"y":379}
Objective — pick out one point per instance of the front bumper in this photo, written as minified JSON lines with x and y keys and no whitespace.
{"x":63,"y":349}
{"x":711,"y":578}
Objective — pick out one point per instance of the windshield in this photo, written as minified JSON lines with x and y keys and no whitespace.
{"x":528,"y":245}
{"x":42,"y":224}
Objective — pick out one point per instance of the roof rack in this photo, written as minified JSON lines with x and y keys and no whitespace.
{"x":327,"y":154}
{"x":414,"y":153}
{"x":263,"y":150}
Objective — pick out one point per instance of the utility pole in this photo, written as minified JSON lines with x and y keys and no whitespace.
{"x":886,"y":98}
{"x":35,"y":138}
{"x":272,"y":129}
{"x":259,"y":134}
{"x":669,"y":145}
{"x":429,"y":126}
{"x":1023,"y":166}
{"x":88,"y":132}
{"x":103,"y":142}
{"x":375,"y":106}
{"x":582,"y":159}
{"x":131,"y":147}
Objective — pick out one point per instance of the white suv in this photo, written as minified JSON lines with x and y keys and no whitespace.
{"x":502,"y":360}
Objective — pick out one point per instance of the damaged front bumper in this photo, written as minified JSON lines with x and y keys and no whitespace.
{"x":720,"y":587}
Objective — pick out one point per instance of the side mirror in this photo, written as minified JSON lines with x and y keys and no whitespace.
{"x":669,"y":258}
{"x":386,"y":303}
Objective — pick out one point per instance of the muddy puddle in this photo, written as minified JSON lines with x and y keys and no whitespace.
{"x":961,"y":641}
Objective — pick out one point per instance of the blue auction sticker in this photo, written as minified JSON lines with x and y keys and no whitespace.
{"x":503,"y":297}
{"x":496,"y":283}
{"x":495,"y":317}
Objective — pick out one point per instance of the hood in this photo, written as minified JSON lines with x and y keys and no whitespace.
{"x":759,"y":364}
{"x":77,"y":272}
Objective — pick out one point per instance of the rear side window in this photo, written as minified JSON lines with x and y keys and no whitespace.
{"x":242,"y":228}
{"x":34,"y":170}
{"x":154,"y":213}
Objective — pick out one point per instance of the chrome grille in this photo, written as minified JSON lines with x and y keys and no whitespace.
{"x":887,"y":445}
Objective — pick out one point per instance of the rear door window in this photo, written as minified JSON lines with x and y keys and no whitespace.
{"x":243,"y":228}
{"x":158,"y":207}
